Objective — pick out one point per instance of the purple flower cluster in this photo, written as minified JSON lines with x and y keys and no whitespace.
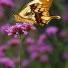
{"x":8,"y":3}
{"x":7,"y":63}
{"x":38,"y":49}
{"x":17,"y":29}
{"x":63,"y":33}
{"x":25,"y":63}
{"x":52,"y":30}
{"x":4,"y":27}
{"x":3,"y":48}
{"x":14,"y":42}
{"x":65,"y":56}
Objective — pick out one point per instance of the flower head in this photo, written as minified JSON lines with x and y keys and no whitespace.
{"x":38,"y":48}
{"x":8,"y":63}
{"x":63,"y":33}
{"x":51,"y":30}
{"x":3,"y":49}
{"x":34,"y":55}
{"x":4,"y":28}
{"x":19,"y":28}
{"x":44,"y":59}
{"x":29,"y":41}
{"x":65,"y":55}
{"x":8,"y":3}
{"x":25,"y":63}
{"x":42,"y":38}
{"x":13,"y":42}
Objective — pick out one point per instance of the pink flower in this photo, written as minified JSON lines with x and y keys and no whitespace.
{"x":42,"y":38}
{"x":29,"y":41}
{"x":8,"y":63}
{"x":19,"y":28}
{"x":52,"y":30}
{"x":4,"y":27}
{"x":38,"y":47}
{"x":63,"y":33}
{"x":25,"y":63}
{"x":8,"y":3}
{"x":32,"y":49}
{"x":13,"y":42}
{"x":44,"y":59}
{"x":2,"y":54}
{"x":46,"y":49}
{"x":34,"y":55}
{"x":3,"y":49}
{"x":65,"y":55}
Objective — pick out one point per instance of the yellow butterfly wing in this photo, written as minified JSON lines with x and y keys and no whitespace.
{"x":18,"y":18}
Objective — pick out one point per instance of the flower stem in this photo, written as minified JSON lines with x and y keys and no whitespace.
{"x":23,"y":53}
{"x":20,"y":49}
{"x":66,"y":65}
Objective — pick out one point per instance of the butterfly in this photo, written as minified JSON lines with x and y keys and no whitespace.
{"x":36,"y":11}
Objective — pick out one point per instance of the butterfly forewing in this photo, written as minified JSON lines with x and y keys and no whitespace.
{"x":21,"y":19}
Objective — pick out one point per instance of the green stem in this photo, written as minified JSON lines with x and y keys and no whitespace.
{"x":66,"y":65}
{"x":23,"y":53}
{"x":20,"y":49}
